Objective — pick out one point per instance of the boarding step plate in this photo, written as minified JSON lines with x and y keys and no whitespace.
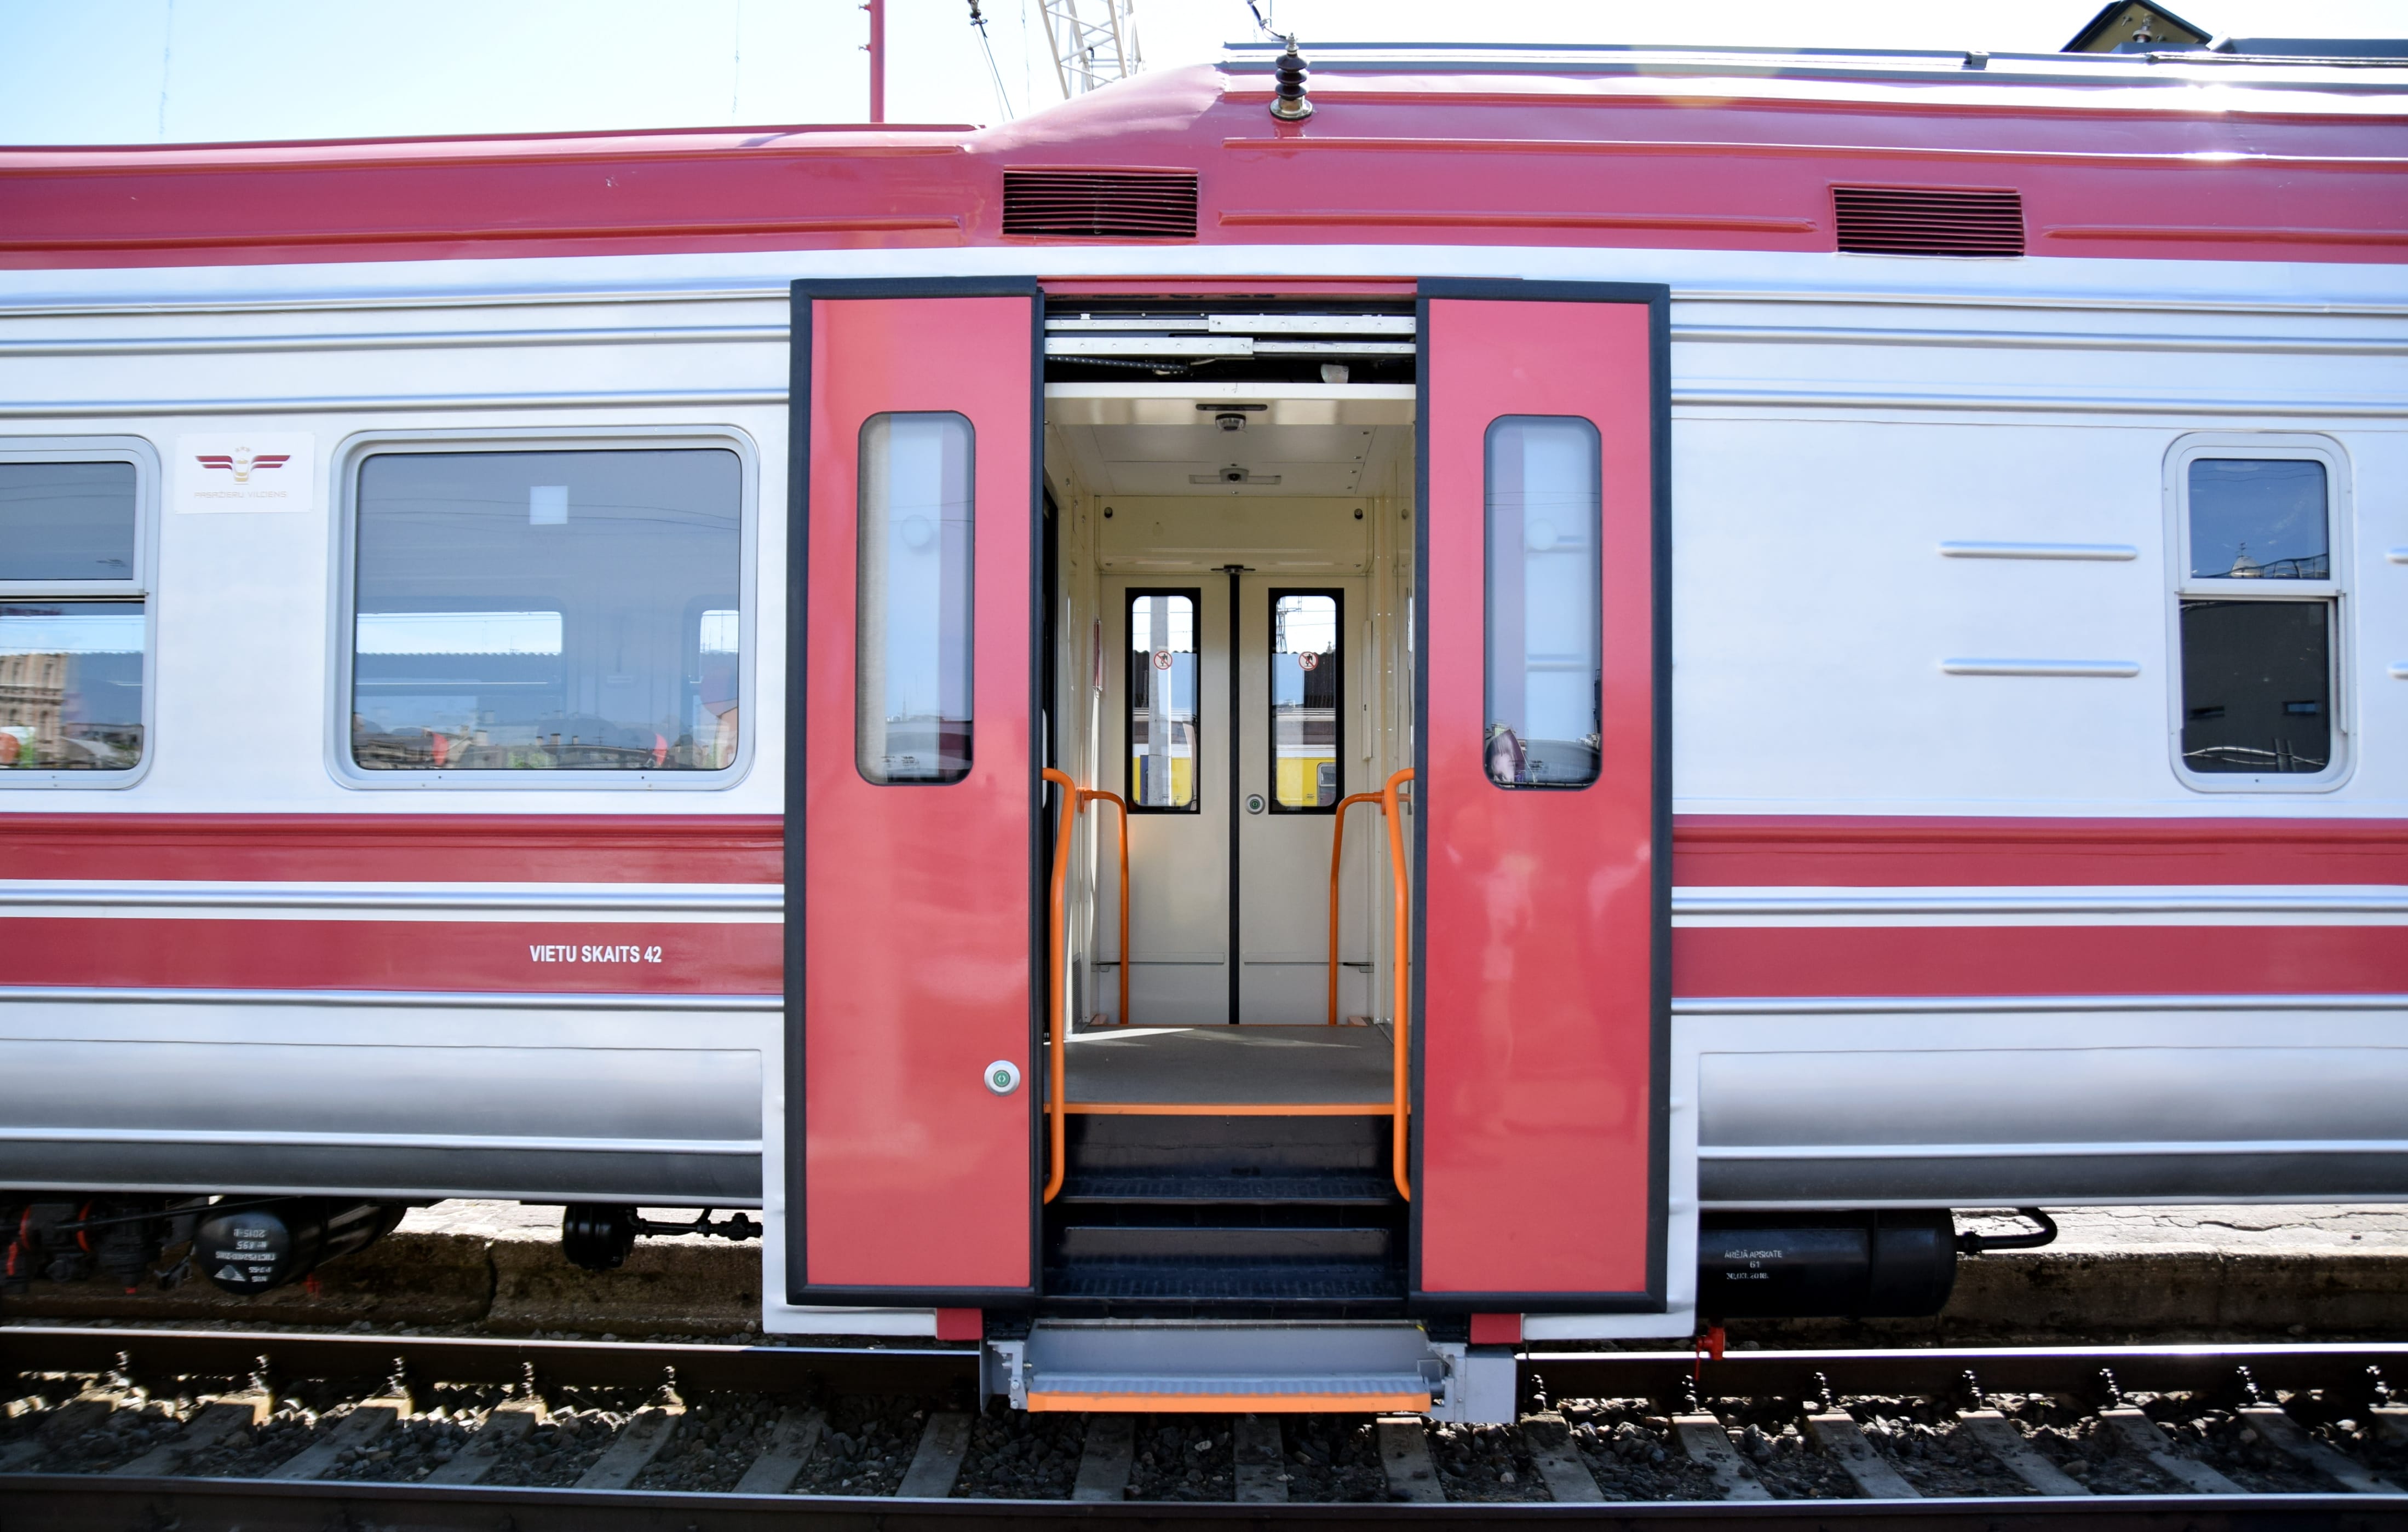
{"x":1235,"y":1367}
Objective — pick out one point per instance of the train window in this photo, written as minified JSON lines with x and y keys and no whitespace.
{"x":546,"y":611}
{"x":2258,"y":519}
{"x":1306,"y":686}
{"x":1163,"y":746}
{"x":2257,"y":613}
{"x":66,"y":522}
{"x":74,"y":612}
{"x":1544,"y":601}
{"x":912,"y":634}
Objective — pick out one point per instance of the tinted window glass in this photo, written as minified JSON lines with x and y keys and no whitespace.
{"x":66,"y":520}
{"x":1162,"y":734}
{"x":546,"y":611}
{"x":2256,"y":686}
{"x":2258,"y":519}
{"x":911,"y":637}
{"x":1544,"y":591}
{"x":71,"y":685}
{"x":1305,"y":690}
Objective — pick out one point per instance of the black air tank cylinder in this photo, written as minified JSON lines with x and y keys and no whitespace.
{"x":1887,"y":1264}
{"x":259,"y":1245}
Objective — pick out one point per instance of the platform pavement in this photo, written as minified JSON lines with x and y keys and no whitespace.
{"x":2338,"y":1272}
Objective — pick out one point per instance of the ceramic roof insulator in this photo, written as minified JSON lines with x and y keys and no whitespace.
{"x":1291,"y":105}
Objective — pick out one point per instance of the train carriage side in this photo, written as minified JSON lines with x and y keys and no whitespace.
{"x":1359,"y":769}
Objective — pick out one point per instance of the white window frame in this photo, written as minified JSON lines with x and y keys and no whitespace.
{"x":141,"y":587}
{"x":2332,"y":593}
{"x":354,"y":449}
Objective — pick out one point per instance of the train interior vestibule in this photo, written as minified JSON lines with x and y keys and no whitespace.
{"x":1230,"y":575}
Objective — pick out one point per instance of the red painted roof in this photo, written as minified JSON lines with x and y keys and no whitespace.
{"x":1736,"y":153}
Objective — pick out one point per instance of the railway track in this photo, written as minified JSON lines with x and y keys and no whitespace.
{"x":201,"y":1430}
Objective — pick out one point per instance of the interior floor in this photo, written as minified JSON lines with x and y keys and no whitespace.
{"x":1232,"y":1066}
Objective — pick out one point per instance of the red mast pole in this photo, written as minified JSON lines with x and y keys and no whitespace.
{"x":876,"y":9}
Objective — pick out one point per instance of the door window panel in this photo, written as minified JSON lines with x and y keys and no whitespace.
{"x":546,"y":611}
{"x":1544,"y":601}
{"x":911,"y":647}
{"x":1162,"y":741}
{"x":1306,"y":689}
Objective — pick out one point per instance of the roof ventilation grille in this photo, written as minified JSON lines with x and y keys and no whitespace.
{"x":1100,"y":204}
{"x":1928,"y":221}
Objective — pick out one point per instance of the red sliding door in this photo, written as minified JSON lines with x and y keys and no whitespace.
{"x":911,"y":795}
{"x":1542,"y":797}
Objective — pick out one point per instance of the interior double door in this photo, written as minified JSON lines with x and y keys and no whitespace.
{"x":1233,"y":718}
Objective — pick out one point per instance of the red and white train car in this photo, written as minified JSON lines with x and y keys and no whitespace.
{"x":1849,"y":610}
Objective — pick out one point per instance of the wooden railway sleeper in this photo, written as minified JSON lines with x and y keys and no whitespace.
{"x":1107,"y":1458}
{"x":216,"y":1422}
{"x":1549,"y":1442}
{"x":1708,"y":1443}
{"x":938,"y":1461}
{"x":2287,"y":1437}
{"x":1837,"y":1434}
{"x":505,"y":1425}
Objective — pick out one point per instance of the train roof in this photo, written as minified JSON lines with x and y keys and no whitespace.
{"x":2192,"y":155}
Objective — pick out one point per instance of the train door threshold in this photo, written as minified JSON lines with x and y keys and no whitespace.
{"x":1234,"y":1367}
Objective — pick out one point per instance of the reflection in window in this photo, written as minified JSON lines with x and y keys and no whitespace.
{"x":71,"y":660}
{"x":1305,"y":693}
{"x":1162,"y":738}
{"x":1544,"y":594}
{"x":66,"y":520}
{"x":2258,"y":519}
{"x":71,"y":685}
{"x":545,"y":610}
{"x":911,"y":650}
{"x":2256,"y":686}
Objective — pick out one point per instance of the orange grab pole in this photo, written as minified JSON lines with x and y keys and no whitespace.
{"x":1097,"y":795}
{"x":1053,"y":1087}
{"x":1389,"y":806}
{"x":1337,"y":852}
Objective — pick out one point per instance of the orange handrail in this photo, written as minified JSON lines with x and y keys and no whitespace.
{"x":1097,"y":794}
{"x":1055,"y":957}
{"x":1401,"y":1081}
{"x":1336,"y":850}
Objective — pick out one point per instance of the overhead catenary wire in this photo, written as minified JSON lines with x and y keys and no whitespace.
{"x":986,"y":45}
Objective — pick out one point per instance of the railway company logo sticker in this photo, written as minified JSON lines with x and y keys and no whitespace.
{"x":254,"y":470}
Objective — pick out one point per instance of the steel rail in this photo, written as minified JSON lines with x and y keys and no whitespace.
{"x":79,"y":1503}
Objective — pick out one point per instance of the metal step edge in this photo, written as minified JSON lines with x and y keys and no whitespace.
{"x":1378,"y":1392}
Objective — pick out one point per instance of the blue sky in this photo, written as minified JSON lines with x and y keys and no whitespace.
{"x":146,"y":71}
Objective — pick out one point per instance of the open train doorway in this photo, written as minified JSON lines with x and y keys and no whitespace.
{"x":1227,"y":819}
{"x":1236,"y":491}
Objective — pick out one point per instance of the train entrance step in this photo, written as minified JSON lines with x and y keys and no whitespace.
{"x":1389,"y":1367}
{"x":1128,"y":1285}
{"x":1289,"y":1217}
{"x":1141,"y":1188}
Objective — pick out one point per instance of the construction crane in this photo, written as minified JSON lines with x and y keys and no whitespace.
{"x":1094,"y":42}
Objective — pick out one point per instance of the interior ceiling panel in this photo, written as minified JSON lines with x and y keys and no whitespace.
{"x":1198,"y":459}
